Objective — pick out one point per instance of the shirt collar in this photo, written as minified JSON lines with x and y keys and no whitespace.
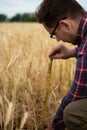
{"x":81,"y":29}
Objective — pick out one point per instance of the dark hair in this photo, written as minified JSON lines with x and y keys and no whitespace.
{"x":50,"y":11}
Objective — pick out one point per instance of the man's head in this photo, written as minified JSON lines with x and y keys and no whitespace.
{"x":60,"y":16}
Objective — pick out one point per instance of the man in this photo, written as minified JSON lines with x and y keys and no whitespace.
{"x":66,"y":20}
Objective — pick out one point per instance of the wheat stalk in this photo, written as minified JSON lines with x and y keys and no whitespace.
{"x":45,"y":107}
{"x":1,"y":101}
{"x":6,"y":99}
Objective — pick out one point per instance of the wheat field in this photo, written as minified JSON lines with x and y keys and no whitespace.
{"x":31,"y":86}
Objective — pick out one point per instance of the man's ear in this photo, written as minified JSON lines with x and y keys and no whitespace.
{"x":65,"y":23}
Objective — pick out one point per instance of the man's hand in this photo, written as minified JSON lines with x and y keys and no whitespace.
{"x":61,"y":52}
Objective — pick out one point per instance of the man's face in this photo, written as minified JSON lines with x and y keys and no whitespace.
{"x":63,"y":31}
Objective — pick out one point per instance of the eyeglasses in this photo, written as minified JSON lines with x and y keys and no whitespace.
{"x":53,"y":35}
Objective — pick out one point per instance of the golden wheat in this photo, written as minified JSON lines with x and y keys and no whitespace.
{"x":27,"y":80}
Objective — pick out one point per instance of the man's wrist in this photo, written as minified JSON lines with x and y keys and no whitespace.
{"x":73,"y":52}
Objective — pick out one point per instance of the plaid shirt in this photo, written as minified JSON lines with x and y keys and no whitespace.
{"x":78,"y":89}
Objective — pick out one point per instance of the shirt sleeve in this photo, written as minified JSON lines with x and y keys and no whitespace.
{"x":78,"y":89}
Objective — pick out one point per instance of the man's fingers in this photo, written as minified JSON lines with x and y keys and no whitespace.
{"x":55,"y":50}
{"x":57,"y":56}
{"x":54,"y":53}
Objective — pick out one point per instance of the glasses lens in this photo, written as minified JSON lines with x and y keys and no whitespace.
{"x":54,"y":36}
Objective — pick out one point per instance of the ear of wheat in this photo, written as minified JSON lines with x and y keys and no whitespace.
{"x":23,"y":121}
{"x":8,"y":114}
